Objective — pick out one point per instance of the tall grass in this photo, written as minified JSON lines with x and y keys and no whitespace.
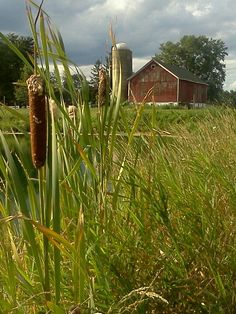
{"x":117,"y":224}
{"x":10,"y":121}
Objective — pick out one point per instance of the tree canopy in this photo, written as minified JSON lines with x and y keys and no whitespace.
{"x":21,"y":91}
{"x":94,"y":78}
{"x":11,"y":65}
{"x":77,"y":81}
{"x":202,"y":56}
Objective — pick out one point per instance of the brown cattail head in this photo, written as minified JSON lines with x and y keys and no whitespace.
{"x":38,"y":127}
{"x":102,"y":88}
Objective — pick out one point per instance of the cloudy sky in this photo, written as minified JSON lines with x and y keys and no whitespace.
{"x":142,"y":24}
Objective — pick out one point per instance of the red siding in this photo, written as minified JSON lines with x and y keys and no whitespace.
{"x":190,"y":92}
{"x":153,"y":84}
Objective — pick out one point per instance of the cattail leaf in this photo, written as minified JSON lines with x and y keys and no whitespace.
{"x":51,"y":234}
{"x":86,"y":159}
{"x":21,"y":197}
{"x":43,"y":37}
{"x":55,"y":308}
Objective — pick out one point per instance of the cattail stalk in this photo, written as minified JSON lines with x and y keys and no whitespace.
{"x":38,"y":127}
{"x":102,"y":88}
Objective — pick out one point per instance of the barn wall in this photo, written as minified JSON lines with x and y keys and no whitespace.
{"x":153,"y":84}
{"x":190,"y":92}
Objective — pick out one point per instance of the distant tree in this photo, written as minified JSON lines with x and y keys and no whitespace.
{"x":94,"y":77}
{"x":76,"y":81}
{"x":21,"y":94}
{"x":11,"y":65}
{"x":55,"y":84}
{"x":228,"y":98}
{"x":202,"y":56}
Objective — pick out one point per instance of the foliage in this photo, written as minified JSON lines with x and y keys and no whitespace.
{"x":76,"y":79}
{"x":21,"y":95}
{"x":169,"y":233}
{"x":14,"y":120}
{"x":116,"y":223}
{"x":165,"y":118}
{"x":228,"y":98}
{"x":202,"y":56}
{"x":11,"y":65}
{"x":95,"y":74}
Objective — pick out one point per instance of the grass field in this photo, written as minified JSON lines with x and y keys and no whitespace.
{"x":10,"y":121}
{"x":158,"y":226}
{"x":165,"y":119}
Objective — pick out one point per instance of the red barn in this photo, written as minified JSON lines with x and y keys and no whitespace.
{"x":159,"y":83}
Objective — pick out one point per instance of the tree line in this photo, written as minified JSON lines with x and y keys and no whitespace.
{"x":201,"y":55}
{"x":11,"y":66}
{"x":14,"y":73}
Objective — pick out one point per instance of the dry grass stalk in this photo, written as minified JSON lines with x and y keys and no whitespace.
{"x":38,"y":126}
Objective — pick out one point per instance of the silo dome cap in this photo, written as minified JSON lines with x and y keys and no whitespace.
{"x":121,"y":46}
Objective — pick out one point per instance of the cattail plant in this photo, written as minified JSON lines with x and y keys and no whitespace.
{"x":36,"y":92}
{"x":102,"y":88}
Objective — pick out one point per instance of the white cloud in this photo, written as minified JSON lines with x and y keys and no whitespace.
{"x":232,"y":86}
{"x":120,"y":5}
{"x":198,"y":8}
{"x":86,"y":70}
{"x":230,"y":82}
{"x":138,"y":63}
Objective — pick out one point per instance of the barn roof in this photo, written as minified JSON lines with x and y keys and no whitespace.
{"x":178,"y":72}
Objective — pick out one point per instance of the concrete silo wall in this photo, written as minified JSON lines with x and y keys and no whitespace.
{"x":121,"y":69}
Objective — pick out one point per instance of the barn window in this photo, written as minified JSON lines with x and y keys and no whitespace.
{"x":144,"y":78}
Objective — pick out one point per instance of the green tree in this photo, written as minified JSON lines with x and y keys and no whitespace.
{"x":11,"y":65}
{"x":228,"y":98}
{"x":77,"y":80}
{"x":21,"y":93}
{"x":202,"y":56}
{"x":94,"y":78}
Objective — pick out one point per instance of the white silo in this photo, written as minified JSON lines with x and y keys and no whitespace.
{"x":121,"y":69}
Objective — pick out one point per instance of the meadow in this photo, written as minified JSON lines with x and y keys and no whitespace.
{"x":17,"y":120}
{"x":148,"y":228}
{"x":118,"y":223}
{"x":14,"y":120}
